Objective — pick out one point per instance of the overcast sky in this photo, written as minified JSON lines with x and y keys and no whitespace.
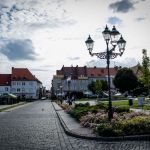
{"x":44,"y":35}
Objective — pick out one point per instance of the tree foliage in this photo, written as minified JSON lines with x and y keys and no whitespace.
{"x":125,"y":80}
{"x":104,"y":85}
{"x":95,"y":86}
{"x":145,"y":78}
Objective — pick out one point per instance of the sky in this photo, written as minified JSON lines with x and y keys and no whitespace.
{"x":44,"y":35}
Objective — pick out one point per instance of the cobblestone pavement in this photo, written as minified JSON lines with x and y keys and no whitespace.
{"x":36,"y":127}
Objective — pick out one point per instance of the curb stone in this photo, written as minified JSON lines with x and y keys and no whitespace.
{"x":100,"y":138}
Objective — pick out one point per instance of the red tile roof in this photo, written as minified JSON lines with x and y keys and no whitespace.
{"x":87,"y":72}
{"x":73,"y":71}
{"x":22,"y":74}
{"x":100,"y":72}
{"x":5,"y":79}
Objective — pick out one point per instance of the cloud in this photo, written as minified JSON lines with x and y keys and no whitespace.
{"x":35,"y":69}
{"x":73,"y":58}
{"x":128,"y":62}
{"x":54,"y":23}
{"x":18,"y":49}
{"x":114,"y":20}
{"x":140,"y":19}
{"x":122,"y":6}
{"x":24,"y":16}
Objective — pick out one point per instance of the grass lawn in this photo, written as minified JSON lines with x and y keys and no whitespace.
{"x":121,"y":103}
{"x":126,"y":103}
{"x":86,"y":99}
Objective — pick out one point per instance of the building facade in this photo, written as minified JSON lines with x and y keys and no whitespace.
{"x":5,"y":83}
{"x":81,"y":77}
{"x":21,"y":83}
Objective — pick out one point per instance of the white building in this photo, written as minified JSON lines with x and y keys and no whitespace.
{"x":21,"y":83}
{"x":81,"y":77}
{"x":24,"y":84}
{"x":5,"y":83}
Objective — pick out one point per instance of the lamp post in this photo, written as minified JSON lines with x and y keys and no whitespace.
{"x":69,"y":84}
{"x":61,"y":97}
{"x":111,"y":37}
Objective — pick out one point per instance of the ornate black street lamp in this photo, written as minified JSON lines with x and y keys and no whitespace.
{"x":69,"y":85}
{"x":111,"y":37}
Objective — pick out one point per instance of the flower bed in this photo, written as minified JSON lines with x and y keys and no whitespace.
{"x":123,"y":123}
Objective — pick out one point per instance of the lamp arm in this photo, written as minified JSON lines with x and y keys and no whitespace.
{"x":103,"y":55}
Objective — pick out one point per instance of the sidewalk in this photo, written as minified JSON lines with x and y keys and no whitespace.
{"x":11,"y":107}
{"x":71,"y":124}
{"x":73,"y":128}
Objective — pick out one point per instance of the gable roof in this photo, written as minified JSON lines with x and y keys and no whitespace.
{"x":22,"y":74}
{"x":101,"y":72}
{"x":5,"y":79}
{"x":73,"y":71}
{"x":86,"y":71}
{"x":136,"y":70}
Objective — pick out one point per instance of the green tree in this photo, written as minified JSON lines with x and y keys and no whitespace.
{"x":91,"y":86}
{"x":125,"y":80}
{"x":95,"y":86}
{"x":98,"y":86}
{"x":145,"y":69}
{"x":104,"y":85}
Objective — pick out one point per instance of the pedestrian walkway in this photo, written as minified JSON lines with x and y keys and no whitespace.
{"x":4,"y":106}
{"x":12,"y":106}
{"x":71,"y":123}
{"x":72,"y":127}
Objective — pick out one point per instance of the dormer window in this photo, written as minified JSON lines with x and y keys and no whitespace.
{"x":23,"y":83}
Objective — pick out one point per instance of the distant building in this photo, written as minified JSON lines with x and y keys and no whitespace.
{"x":81,"y":77}
{"x":5,"y":83}
{"x":21,"y":83}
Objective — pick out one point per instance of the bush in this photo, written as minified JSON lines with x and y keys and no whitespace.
{"x":82,"y":105}
{"x":101,"y":105}
{"x":137,"y":125}
{"x":118,"y":97}
{"x":108,"y":130}
{"x":121,"y":109}
{"x":134,"y":126}
{"x":78,"y":112}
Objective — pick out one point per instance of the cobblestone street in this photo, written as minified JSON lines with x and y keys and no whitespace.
{"x":36,"y":126}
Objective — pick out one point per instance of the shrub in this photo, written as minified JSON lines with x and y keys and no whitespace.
{"x":108,"y":130}
{"x":134,"y":126}
{"x":101,"y":105}
{"x":121,"y":109}
{"x":82,"y":105}
{"x":78,"y":112}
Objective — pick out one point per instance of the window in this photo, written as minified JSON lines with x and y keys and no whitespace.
{"x":18,"y":90}
{"x":23,"y":83}
{"x":23,"y":89}
{"x":14,"y":83}
{"x":18,"y":83}
{"x":6,"y":88}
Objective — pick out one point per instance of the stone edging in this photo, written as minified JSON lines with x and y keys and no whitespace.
{"x":100,"y":138}
{"x":13,"y":106}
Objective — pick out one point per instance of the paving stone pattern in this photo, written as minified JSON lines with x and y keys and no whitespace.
{"x":36,"y":127}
